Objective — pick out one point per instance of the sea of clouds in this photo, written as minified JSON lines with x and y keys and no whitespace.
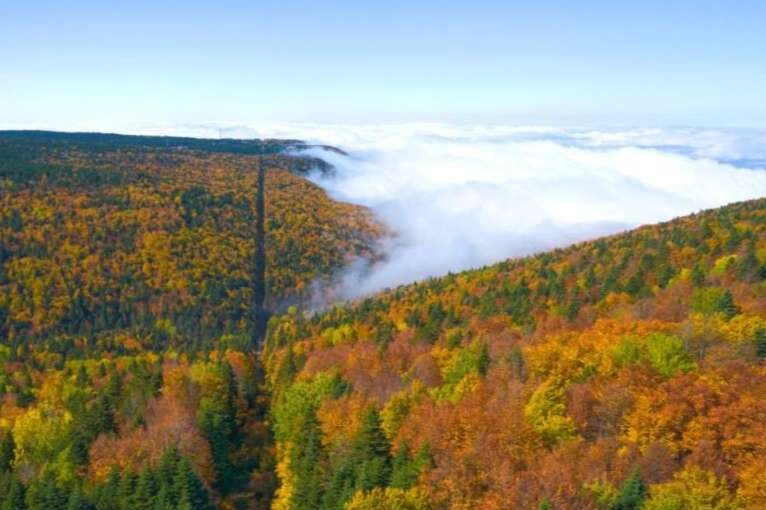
{"x":462,"y":196}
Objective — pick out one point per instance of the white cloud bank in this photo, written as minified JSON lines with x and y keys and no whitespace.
{"x":464,"y":196}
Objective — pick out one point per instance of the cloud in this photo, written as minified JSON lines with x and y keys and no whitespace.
{"x":465,"y":197}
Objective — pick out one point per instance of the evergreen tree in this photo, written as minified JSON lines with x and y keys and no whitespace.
{"x":404,"y":472}
{"x":307,"y":459}
{"x":79,"y":445}
{"x":727,"y":305}
{"x":573,"y":308}
{"x":43,"y":494}
{"x":188,"y":486}
{"x":108,"y":494}
{"x":632,"y":493}
{"x":76,"y":500}
{"x":545,"y":504}
{"x":340,"y":487}
{"x":760,"y":343}
{"x":145,"y":491}
{"x":698,"y":275}
{"x":82,"y":380}
{"x":7,"y":450}
{"x":101,"y":416}
{"x":126,"y":491}
{"x":217,"y":419}
{"x":372,"y":453}
{"x":163,"y":501}
{"x":482,"y":364}
{"x":14,"y":497}
{"x":166,"y":473}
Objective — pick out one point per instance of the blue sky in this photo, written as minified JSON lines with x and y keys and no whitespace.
{"x":115,"y":63}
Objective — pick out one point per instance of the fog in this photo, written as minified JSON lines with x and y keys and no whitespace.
{"x":462,"y":196}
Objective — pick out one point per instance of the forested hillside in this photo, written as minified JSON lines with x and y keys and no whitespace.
{"x":128,"y":377}
{"x":622,"y":373}
{"x":158,"y":242}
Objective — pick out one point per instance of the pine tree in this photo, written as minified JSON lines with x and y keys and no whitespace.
{"x":372,"y":453}
{"x":82,"y":379}
{"x":162,"y":501}
{"x":760,"y":343}
{"x":101,"y":416}
{"x":126,"y":491}
{"x":727,"y":305}
{"x":145,"y":491}
{"x":14,"y":497}
{"x":573,"y":308}
{"x":166,"y":473}
{"x":482,"y":364}
{"x":79,"y":445}
{"x":698,"y":275}
{"x":307,"y":459}
{"x":108,"y":494}
{"x":76,"y":501}
{"x":188,"y":486}
{"x":7,"y":450}
{"x":217,"y":417}
{"x":632,"y":494}
{"x":43,"y":494}
{"x":404,"y":472}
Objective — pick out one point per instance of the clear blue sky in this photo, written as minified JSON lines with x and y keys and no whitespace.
{"x":648,"y":62}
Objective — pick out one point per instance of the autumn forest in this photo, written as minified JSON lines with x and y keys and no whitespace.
{"x":622,"y":373}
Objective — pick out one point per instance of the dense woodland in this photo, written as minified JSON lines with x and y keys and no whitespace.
{"x":128,"y":377}
{"x":623,"y":373}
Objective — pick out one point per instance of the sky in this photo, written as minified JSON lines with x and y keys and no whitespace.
{"x":117,"y":65}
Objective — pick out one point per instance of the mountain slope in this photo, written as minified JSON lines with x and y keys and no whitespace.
{"x":570,"y":379}
{"x":127,"y":373}
{"x":94,"y":239}
{"x":626,"y":372}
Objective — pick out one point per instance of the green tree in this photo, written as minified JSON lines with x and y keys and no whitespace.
{"x":404,"y":472}
{"x":76,"y":500}
{"x":632,"y":493}
{"x":760,"y":343}
{"x":666,"y":354}
{"x":145,"y":491}
{"x":698,"y":275}
{"x":191,"y":492}
{"x":107,"y":497}
{"x":44,"y":494}
{"x":216,"y":417}
{"x":15,"y":495}
{"x":308,"y":458}
{"x":126,"y":492}
{"x":165,"y":478}
{"x":406,"y":468}
{"x":713,"y":300}
{"x":7,"y":449}
{"x":372,"y":452}
{"x":693,"y":488}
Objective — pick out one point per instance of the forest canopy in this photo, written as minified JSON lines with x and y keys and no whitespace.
{"x":620,"y":373}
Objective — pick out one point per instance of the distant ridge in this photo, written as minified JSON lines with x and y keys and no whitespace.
{"x":95,"y":141}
